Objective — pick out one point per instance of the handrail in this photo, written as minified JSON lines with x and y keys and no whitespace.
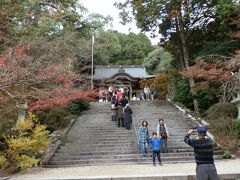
{"x":136,"y":141}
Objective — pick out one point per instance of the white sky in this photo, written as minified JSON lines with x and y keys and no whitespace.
{"x":105,"y":8}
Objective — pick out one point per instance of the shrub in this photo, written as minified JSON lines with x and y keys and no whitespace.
{"x":26,"y":143}
{"x":54,"y":118}
{"x":205,"y":100}
{"x":227,"y":155}
{"x":182,"y":93}
{"x":4,"y":129}
{"x":221,"y":117}
{"x":77,"y":106}
{"x":160,"y":82}
{"x":25,"y":162}
{"x":3,"y":162}
{"x":237,"y":127}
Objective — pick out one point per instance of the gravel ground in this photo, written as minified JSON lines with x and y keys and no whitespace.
{"x":118,"y":171}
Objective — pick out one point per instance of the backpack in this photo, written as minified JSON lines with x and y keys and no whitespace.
{"x":113,"y":106}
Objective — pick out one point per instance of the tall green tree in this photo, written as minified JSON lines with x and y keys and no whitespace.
{"x":134,"y":48}
{"x":49,"y":18}
{"x":158,"y":61}
{"x":106,"y":47}
{"x":173,"y":19}
{"x":170,"y":17}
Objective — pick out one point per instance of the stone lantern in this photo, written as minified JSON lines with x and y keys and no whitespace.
{"x":237,"y":102}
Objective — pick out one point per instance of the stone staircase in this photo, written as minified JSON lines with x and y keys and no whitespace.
{"x":95,"y":140}
{"x":178,"y":125}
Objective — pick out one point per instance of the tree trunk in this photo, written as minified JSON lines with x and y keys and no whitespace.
{"x":186,"y":58}
{"x":180,"y":47}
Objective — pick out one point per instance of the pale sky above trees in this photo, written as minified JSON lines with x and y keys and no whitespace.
{"x":106,"y":7}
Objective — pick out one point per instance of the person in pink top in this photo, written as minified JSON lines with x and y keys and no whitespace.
{"x":119,"y":95}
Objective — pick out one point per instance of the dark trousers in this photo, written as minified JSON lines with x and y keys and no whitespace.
{"x":120,"y":122}
{"x":128,"y":125}
{"x":156,"y":153}
{"x":114,"y":118}
{"x":164,"y":148}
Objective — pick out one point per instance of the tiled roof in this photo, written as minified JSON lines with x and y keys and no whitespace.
{"x":103,"y":72}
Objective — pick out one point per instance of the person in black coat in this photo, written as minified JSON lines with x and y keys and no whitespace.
{"x":128,"y":116}
{"x":114,"y":108}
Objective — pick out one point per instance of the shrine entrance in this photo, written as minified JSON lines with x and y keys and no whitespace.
{"x":120,"y":77}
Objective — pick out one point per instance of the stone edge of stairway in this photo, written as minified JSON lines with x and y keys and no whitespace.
{"x":184,"y":111}
{"x":52,"y":149}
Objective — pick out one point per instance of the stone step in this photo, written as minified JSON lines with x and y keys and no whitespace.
{"x":107,"y":142}
{"x":105,"y":135}
{"x":116,"y":146}
{"x":92,"y":164}
{"x":109,"y":132}
{"x":116,"y":156}
{"x":94,"y":150}
{"x":93,"y":161}
{"x":120,"y":156}
{"x":171,"y":158}
{"x":77,"y":153}
{"x":103,"y":139}
{"x":100,"y":146}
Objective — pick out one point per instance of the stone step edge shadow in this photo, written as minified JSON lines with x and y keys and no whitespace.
{"x":185,"y":111}
{"x":52,"y":149}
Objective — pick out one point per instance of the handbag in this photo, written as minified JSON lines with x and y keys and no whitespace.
{"x":164,"y":136}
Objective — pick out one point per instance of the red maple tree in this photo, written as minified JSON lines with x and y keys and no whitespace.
{"x":216,"y":74}
{"x":43,"y":83}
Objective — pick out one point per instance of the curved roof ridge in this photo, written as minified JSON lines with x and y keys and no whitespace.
{"x":135,"y":71}
{"x":119,"y":66}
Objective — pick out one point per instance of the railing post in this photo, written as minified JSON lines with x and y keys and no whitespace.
{"x":136,"y":141}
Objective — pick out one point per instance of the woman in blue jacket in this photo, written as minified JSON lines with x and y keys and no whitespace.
{"x":143,"y":138}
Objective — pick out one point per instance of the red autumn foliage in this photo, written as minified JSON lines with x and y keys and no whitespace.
{"x":42,"y":104}
{"x":44,"y":84}
{"x":216,"y":73}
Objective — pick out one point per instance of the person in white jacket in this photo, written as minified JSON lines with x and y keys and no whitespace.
{"x":162,"y":131}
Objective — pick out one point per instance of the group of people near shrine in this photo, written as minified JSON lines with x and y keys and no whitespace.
{"x":106,"y":94}
{"x":121,"y":110}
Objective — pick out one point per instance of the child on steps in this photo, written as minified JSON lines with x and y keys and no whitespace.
{"x":156,"y":142}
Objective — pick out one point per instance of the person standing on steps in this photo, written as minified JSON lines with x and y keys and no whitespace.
{"x":119,"y":95}
{"x":114,"y":107}
{"x":123,"y":101}
{"x":156,"y":142}
{"x":143,"y":137}
{"x":155,"y":93}
{"x":120,"y":116}
{"x":162,"y":131}
{"x":128,"y":116}
{"x":147,"y":92}
{"x":203,"y":151}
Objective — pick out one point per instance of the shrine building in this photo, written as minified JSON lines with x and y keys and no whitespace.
{"x":121,"y":76}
